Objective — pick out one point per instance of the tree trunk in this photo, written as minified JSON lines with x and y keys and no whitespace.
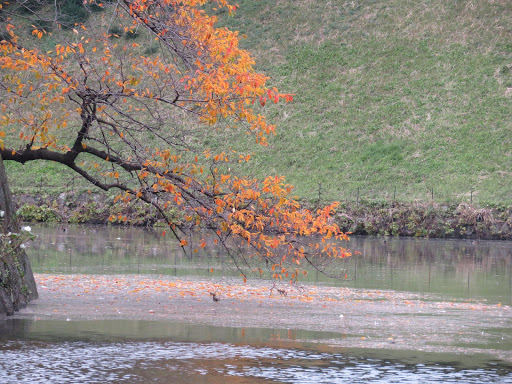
{"x":17,"y":284}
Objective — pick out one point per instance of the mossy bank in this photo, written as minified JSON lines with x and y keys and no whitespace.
{"x":428,"y":220}
{"x":417,"y":219}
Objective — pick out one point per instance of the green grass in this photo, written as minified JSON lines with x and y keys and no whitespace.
{"x":402,"y":94}
{"x":405,"y":94}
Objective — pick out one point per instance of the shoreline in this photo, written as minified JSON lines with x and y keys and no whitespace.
{"x":393,"y":218}
{"x":363,"y":318}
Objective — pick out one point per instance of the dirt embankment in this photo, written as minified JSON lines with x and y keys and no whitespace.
{"x":360,"y":318}
{"x":434,"y":220}
{"x":385,"y":219}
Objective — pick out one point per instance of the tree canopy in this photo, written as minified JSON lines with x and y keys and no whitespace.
{"x":124,"y":98}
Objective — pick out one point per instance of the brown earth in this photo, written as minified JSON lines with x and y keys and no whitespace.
{"x":407,"y":219}
{"x":362,"y":318}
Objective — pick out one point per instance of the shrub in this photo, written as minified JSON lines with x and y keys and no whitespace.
{"x":29,"y":6}
{"x":41,"y":24}
{"x":152,"y":49}
{"x":132,"y":35}
{"x":42,"y":213}
{"x":115,"y":31}
{"x":71,"y":13}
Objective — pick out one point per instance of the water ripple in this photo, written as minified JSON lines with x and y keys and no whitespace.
{"x":90,"y":362}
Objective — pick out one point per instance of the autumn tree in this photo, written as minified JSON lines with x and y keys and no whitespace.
{"x":124,"y":99}
{"x":17,"y":285}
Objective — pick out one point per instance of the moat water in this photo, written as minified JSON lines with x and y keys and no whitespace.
{"x":128,"y":351}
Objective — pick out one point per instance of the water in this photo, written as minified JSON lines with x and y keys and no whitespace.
{"x":127,"y":351}
{"x":142,"y":351}
{"x":455,"y":268}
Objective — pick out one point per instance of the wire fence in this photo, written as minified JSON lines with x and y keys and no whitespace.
{"x":357,"y":195}
{"x":362,"y":196}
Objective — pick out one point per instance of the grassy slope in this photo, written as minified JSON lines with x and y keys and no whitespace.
{"x":393,"y":93}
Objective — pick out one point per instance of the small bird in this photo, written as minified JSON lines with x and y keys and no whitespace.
{"x":215,"y":297}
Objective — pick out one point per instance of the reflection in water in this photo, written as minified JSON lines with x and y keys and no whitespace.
{"x":124,"y":352}
{"x":459,"y":268}
{"x":164,"y":352}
